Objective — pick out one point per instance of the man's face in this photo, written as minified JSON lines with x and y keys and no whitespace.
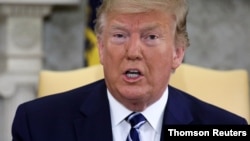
{"x":138,"y":53}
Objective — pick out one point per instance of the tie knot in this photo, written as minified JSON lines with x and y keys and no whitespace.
{"x":136,"y":119}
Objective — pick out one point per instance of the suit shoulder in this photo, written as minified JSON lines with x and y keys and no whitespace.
{"x":72,"y":97}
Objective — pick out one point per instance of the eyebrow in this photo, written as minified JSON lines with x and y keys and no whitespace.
{"x":119,"y":26}
{"x":150,"y":26}
{"x":146,"y":27}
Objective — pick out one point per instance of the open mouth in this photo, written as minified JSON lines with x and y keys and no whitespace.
{"x":133,"y":73}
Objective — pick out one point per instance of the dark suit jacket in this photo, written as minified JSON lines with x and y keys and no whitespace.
{"x":83,"y":114}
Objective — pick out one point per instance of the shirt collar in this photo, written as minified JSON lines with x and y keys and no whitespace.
{"x":154,"y":113}
{"x":117,"y":110}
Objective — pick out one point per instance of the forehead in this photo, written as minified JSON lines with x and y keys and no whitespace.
{"x":142,"y":20}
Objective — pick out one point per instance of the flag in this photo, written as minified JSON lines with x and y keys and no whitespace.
{"x":91,"y":50}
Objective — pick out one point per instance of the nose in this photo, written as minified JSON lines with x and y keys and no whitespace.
{"x":134,"y":49}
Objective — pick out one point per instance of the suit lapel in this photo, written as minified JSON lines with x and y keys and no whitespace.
{"x":176,"y":112}
{"x":95,"y":123}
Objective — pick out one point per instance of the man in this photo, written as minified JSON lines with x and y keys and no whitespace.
{"x":141,"y":43}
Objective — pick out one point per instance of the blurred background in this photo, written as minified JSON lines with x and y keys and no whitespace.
{"x":58,"y":35}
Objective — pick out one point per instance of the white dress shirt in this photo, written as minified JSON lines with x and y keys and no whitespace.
{"x":150,"y":131}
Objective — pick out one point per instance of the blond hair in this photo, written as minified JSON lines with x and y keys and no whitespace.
{"x":177,"y":7}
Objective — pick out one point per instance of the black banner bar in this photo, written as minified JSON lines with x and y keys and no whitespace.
{"x":175,"y":131}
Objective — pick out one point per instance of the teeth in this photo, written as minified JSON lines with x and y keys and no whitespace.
{"x":133,"y":73}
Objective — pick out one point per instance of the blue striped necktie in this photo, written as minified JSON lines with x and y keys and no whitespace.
{"x":136,"y":120}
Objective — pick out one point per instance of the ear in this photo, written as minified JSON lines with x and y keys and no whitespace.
{"x":178,"y":56}
{"x":100,"y":48}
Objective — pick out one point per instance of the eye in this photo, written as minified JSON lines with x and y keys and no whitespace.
{"x":151,"y":39}
{"x":119,"y":38}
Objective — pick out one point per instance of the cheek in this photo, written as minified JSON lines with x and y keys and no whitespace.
{"x":111,"y":54}
{"x":161,"y":56}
